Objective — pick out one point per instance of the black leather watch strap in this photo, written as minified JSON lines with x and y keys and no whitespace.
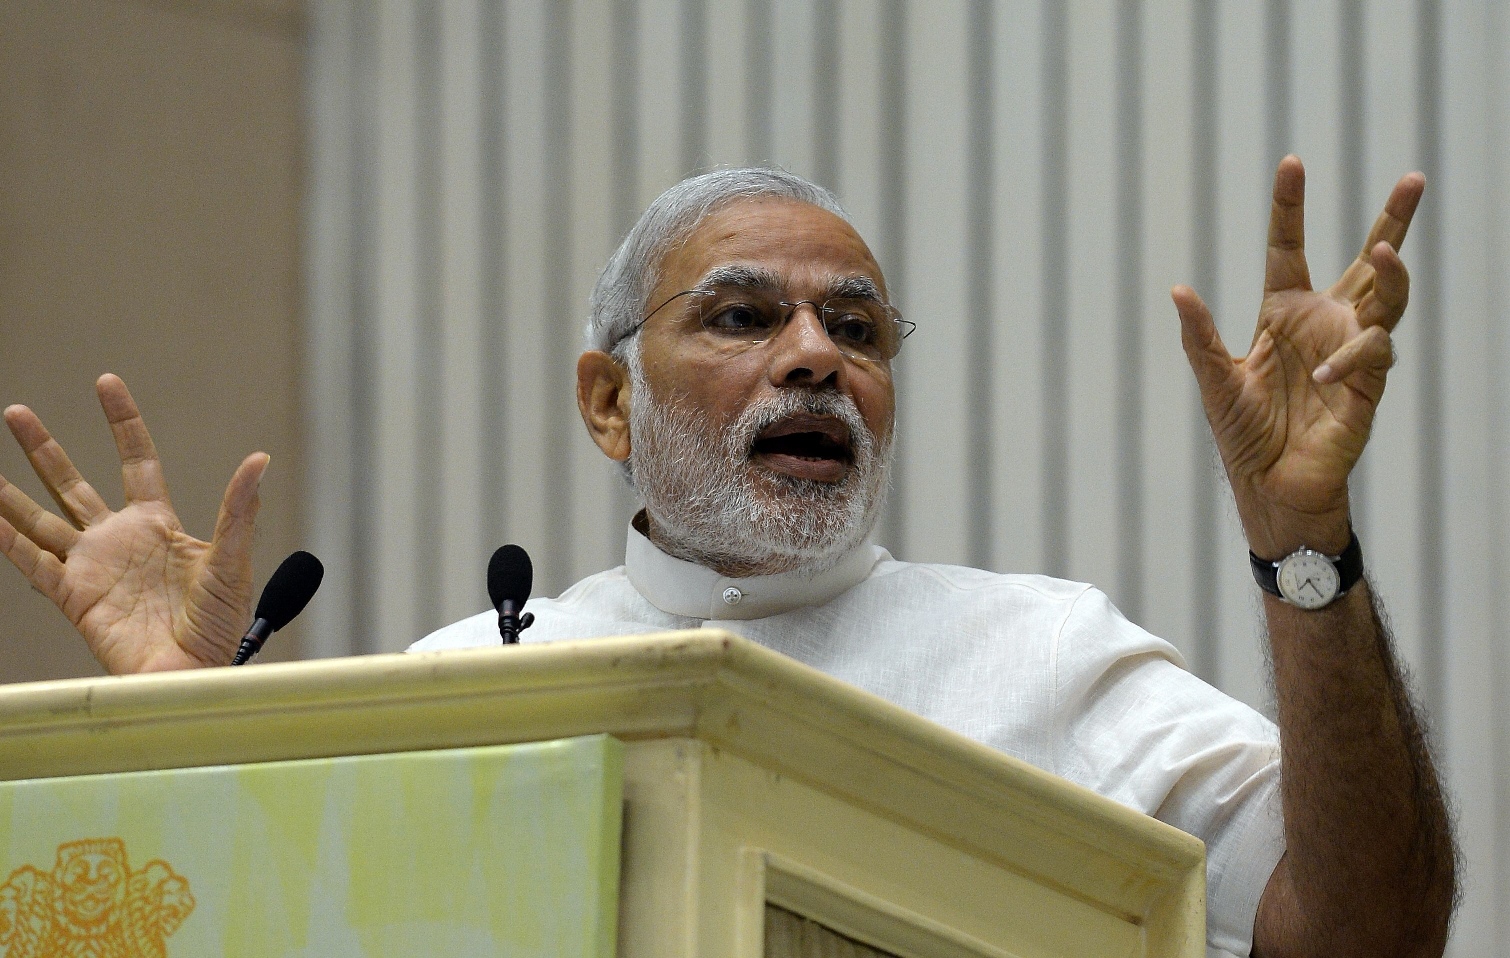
{"x":1349,"y":568}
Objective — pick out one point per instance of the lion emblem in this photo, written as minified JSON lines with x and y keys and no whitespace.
{"x":92,"y":905}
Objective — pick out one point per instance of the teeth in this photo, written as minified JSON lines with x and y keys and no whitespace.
{"x":816,"y":447}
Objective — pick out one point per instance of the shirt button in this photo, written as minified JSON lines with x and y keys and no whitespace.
{"x":732,"y":596}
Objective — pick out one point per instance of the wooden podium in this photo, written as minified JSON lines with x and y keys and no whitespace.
{"x":677,"y":795}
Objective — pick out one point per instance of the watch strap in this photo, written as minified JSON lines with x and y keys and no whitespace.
{"x":1349,"y":568}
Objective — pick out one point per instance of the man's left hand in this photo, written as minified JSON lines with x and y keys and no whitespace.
{"x":1292,"y":417}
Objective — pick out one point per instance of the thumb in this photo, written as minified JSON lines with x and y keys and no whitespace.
{"x":230,"y":558}
{"x":1204,"y":349}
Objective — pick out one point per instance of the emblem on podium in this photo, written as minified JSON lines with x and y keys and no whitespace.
{"x":92,"y":905}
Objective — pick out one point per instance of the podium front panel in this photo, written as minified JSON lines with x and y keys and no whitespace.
{"x":500,"y":850}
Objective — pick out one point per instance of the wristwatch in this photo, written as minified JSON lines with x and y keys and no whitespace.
{"x":1309,"y":579}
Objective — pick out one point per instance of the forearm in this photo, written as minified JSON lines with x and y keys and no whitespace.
{"x":1369,"y":866}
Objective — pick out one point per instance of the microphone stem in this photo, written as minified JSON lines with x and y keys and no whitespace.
{"x":251,"y":643}
{"x":511,"y":622}
{"x":508,"y":622}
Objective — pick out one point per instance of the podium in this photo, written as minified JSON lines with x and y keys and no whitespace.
{"x":682,"y":795}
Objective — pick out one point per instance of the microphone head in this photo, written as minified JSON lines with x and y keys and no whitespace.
{"x":510,"y":576}
{"x":290,"y":589}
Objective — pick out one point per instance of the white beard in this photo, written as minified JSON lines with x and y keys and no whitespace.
{"x":709,"y":503}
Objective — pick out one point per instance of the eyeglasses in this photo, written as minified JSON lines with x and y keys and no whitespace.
{"x":740,"y":318}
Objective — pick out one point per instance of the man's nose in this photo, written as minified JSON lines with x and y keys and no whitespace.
{"x":803,"y":354}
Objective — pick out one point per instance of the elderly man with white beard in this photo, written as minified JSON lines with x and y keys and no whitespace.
{"x":739,"y":361}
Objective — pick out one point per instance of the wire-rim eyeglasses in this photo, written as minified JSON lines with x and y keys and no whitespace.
{"x":861,"y":327}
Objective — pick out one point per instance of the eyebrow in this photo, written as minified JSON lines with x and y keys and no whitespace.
{"x":738,"y":276}
{"x":741,"y":277}
{"x":855,"y":287}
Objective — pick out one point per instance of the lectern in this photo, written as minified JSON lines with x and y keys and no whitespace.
{"x":666,"y":796}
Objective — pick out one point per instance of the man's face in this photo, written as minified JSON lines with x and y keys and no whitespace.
{"x":810,"y":250}
{"x":785,"y":443}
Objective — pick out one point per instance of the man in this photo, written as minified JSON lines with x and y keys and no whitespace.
{"x":740,"y":368}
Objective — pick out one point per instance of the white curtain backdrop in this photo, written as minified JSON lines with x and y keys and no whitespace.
{"x":1033,"y":176}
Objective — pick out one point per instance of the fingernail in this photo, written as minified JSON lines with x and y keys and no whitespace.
{"x":1324,"y":373}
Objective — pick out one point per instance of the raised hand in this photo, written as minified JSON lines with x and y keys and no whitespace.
{"x":1292,"y":417}
{"x":146,"y":595}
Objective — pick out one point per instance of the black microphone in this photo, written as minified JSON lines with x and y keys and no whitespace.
{"x":510,"y":576}
{"x":285,"y":596}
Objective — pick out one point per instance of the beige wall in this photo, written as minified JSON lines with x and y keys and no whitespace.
{"x":149,"y":173}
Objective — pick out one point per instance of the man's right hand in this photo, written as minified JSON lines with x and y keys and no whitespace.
{"x":146,"y":595}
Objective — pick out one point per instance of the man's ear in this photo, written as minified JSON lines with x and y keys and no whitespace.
{"x":603,"y":399}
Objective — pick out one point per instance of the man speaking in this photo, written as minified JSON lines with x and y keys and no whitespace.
{"x":739,"y":367}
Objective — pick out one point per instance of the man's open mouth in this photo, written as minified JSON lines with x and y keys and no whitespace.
{"x":806,"y":446}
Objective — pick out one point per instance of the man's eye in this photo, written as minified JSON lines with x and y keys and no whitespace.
{"x":735,"y":317}
{"x":853,"y":328}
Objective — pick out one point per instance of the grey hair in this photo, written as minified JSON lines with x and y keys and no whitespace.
{"x":619,"y":299}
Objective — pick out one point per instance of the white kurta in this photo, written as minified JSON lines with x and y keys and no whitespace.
{"x":1045,"y":670}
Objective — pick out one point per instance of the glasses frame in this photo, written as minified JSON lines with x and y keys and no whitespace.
{"x":906,"y":327}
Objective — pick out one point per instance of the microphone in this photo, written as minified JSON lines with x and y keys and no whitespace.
{"x":285,"y":596}
{"x":510,"y":576}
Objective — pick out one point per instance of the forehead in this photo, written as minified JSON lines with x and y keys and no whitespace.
{"x":803,"y":244}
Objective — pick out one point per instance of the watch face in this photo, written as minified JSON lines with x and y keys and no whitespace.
{"x":1308,"y":579}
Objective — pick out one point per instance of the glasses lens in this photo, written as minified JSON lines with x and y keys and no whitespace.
{"x":740,"y":315}
{"x":860,"y":328}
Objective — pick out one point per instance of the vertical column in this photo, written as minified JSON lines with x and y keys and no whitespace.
{"x":660,"y":126}
{"x":727,"y":100}
{"x":522,"y":468}
{"x":1055,"y":272}
{"x":1203,"y":471}
{"x":596,"y":520}
{"x":932,"y":403}
{"x":1171,"y":428}
{"x":463,"y":417}
{"x":1497,"y":349}
{"x":331,"y":330}
{"x":794,"y":51}
{"x":893,"y":150}
{"x":1127,"y":315}
{"x":981,"y":311}
{"x":395,"y":283}
{"x":1093,"y":312}
{"x":501,"y":424}
{"x":1021,"y":324}
{"x":1458,"y":63}
{"x":1244,"y":189}
{"x":1391,"y":495}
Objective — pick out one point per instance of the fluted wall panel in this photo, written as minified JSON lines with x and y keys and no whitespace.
{"x":1033,"y":177}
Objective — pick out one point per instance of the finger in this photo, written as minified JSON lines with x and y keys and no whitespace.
{"x":1285,"y":266}
{"x":1390,"y":228}
{"x":41,"y":568}
{"x":141,"y":471}
{"x":1385,"y":303}
{"x":1370,"y":349}
{"x":1208,"y":355}
{"x":231,"y":546}
{"x":74,"y":496}
{"x":35,"y":523}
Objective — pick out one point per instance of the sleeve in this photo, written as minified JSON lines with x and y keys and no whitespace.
{"x":1133,"y":724}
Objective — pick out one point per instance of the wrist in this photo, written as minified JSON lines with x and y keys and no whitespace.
{"x":1275,"y":532}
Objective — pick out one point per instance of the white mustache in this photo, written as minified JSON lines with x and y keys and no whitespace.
{"x":765,"y":413}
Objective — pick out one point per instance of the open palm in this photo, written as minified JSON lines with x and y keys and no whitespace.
{"x":1292,"y":417}
{"x":145,"y":594}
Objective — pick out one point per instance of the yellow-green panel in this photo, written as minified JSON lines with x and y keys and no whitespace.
{"x":503,"y":850}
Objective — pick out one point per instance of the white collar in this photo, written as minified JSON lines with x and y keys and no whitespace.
{"x":688,"y":589}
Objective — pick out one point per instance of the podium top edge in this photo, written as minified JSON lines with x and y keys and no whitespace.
{"x":705,"y":684}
